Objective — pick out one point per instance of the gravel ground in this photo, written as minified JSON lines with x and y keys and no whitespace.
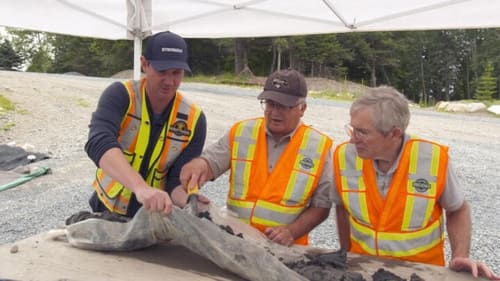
{"x":53,"y":112}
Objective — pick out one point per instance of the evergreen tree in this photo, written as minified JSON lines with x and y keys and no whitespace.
{"x":9,"y":59}
{"x":486,"y":88}
{"x":40,"y":62}
{"x":34,"y":47}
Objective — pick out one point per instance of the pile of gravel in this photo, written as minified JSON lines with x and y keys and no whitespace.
{"x":66,"y":103}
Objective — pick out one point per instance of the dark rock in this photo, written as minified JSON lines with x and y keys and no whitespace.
{"x":385,"y":275}
{"x":415,"y":277}
{"x":84,"y":215}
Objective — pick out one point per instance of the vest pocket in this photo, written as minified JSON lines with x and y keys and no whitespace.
{"x":159,"y":178}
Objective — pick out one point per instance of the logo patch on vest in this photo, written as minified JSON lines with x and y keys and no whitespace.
{"x":421,"y":185}
{"x":180,"y":128}
{"x":306,"y":163}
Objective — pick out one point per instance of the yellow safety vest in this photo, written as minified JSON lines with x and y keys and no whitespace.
{"x":275,"y":199}
{"x":408,"y":223}
{"x":134,"y":136}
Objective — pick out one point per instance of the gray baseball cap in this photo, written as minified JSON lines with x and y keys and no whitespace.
{"x":285,"y":86}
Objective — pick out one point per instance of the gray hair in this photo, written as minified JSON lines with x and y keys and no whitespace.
{"x":390,"y":108}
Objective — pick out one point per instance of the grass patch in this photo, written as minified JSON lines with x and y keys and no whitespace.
{"x":6,"y":104}
{"x":7,"y":126}
{"x":251,"y":82}
{"x":82,"y":103}
{"x":226,"y":78}
{"x":330,"y":95}
{"x":489,"y":103}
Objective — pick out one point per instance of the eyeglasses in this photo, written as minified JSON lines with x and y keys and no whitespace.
{"x":267,"y":105}
{"x":357,"y":133}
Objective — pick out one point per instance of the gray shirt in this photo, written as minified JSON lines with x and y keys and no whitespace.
{"x":451,"y":199}
{"x":218,"y":155}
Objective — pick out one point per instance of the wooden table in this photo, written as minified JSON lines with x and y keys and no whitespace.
{"x":42,"y":258}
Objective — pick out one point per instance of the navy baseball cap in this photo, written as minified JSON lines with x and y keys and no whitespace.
{"x":166,"y":50}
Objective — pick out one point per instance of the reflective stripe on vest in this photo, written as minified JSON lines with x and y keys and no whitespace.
{"x":243,"y":150}
{"x":397,"y":244}
{"x":408,"y":221}
{"x":278,"y":198}
{"x":135,"y":128}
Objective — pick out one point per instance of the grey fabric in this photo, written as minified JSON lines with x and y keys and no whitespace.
{"x":217,"y":236}
{"x":204,"y":237}
{"x":144,"y":230}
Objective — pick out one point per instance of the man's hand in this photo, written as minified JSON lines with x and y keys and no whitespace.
{"x":475,"y":268}
{"x":281,"y":235}
{"x":154,"y":200}
{"x":195,"y":172}
{"x":179,"y":198}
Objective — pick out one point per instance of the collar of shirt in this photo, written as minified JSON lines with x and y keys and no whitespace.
{"x":274,"y":149}
{"x":284,"y":138}
{"x":396,"y":163}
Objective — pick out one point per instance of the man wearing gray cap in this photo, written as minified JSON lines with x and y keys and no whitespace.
{"x":143,"y":132}
{"x":280,"y":169}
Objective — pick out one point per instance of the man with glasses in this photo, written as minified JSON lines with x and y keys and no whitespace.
{"x":280,"y":169}
{"x":396,"y":193}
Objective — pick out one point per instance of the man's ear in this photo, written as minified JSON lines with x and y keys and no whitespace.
{"x":144,"y":64}
{"x":397,"y":132}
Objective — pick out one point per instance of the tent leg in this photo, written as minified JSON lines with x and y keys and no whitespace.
{"x":137,"y":57}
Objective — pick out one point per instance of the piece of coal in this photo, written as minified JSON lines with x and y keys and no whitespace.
{"x":106,"y":215}
{"x":352,"y":276}
{"x":385,"y":275}
{"x":205,"y":215}
{"x":337,"y":259}
{"x":415,"y":277}
{"x":226,"y":228}
{"x":325,"y":266}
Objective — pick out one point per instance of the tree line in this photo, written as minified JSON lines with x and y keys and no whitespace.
{"x":427,"y":66}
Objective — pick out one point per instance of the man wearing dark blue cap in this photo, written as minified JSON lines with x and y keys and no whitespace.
{"x":143,"y":132}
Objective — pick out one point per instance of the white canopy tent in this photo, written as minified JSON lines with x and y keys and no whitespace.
{"x":135,"y":19}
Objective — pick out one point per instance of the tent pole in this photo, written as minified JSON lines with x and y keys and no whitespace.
{"x":137,"y":57}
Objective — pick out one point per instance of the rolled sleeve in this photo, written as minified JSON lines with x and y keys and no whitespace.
{"x":322,"y":196}
{"x":218,"y":155}
{"x":453,"y":196}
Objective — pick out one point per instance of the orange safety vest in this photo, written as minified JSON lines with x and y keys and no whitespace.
{"x":267,"y":200}
{"x":134,"y":133}
{"x":408,"y":223}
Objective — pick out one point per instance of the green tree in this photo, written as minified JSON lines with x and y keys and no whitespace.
{"x":279,"y":45}
{"x":487,"y":86}
{"x":373,"y":56}
{"x":206,"y":56}
{"x":487,"y":49}
{"x":88,"y":56}
{"x":409,"y":77}
{"x":40,"y":62}
{"x":320,"y":55}
{"x":113,"y":56}
{"x":9,"y":59}
{"x":34,"y":47}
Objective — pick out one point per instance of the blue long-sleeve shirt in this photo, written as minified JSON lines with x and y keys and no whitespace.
{"x":104,"y":129}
